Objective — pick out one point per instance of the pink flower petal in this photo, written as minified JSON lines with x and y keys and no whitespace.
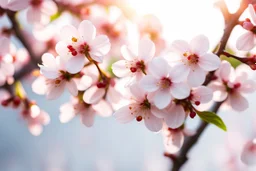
{"x":75,"y":64}
{"x":84,"y":83}
{"x":49,"y":60}
{"x":48,"y":72}
{"x":127,"y":53}
{"x":175,"y":117}
{"x":49,"y":8}
{"x":123,"y":115}
{"x":5,"y":45}
{"x":87,"y":31}
{"x":179,"y":73}
{"x":174,"y":141}
{"x":246,"y":41}
{"x":219,"y":91}
{"x":87,"y":117}
{"x":61,"y":49}
{"x":158,"y":112}
{"x":137,"y":92}
{"x":159,"y":68}
{"x":153,"y":123}
{"x":209,"y":62}
{"x":196,"y":77}
{"x":248,"y":155}
{"x":202,"y":94}
{"x":7,"y":69}
{"x":252,"y":13}
{"x":248,"y":86}
{"x":199,"y":45}
{"x":149,"y":83}
{"x":119,"y":69}
{"x":93,"y":95}
{"x":103,"y":108}
{"x":180,"y":47}
{"x":180,"y":90}
{"x":34,"y":16}
{"x":238,"y":102}
{"x":35,"y":129}
{"x":162,"y":98}
{"x":69,"y":31}
{"x":67,"y":113}
{"x":17,"y":5}
{"x":72,"y":88}
{"x":100,"y":46}
{"x":146,"y":49}
{"x":54,"y":92}
{"x":39,"y":86}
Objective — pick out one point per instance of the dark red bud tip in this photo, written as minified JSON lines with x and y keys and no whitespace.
{"x":101,"y":85}
{"x":133,"y":69}
{"x":16,"y":101}
{"x":5,"y":103}
{"x":192,"y":114}
{"x":197,"y":103}
{"x":237,"y":85}
{"x":139,"y":118}
{"x":74,"y":53}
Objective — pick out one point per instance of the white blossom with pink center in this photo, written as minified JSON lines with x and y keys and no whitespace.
{"x":6,"y":65}
{"x":87,"y":112}
{"x":135,"y":62}
{"x":193,"y":60}
{"x":231,"y":85}
{"x":36,"y":118}
{"x":140,"y":109}
{"x":247,"y":41}
{"x":80,"y":43}
{"x":164,"y":83}
{"x":248,"y":155}
{"x":57,"y":76}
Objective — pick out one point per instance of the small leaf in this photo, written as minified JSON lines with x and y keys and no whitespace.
{"x":212,"y":118}
{"x":55,"y":16}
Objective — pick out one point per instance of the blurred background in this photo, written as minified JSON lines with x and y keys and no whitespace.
{"x":111,"y":146}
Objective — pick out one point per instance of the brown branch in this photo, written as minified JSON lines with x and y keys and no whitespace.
{"x":231,"y":20}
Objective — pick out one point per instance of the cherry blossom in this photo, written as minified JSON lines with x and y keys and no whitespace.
{"x":135,"y":62}
{"x":40,"y":11}
{"x":87,"y":112}
{"x":82,"y":42}
{"x":248,"y":155}
{"x":6,"y":65}
{"x":193,"y":61}
{"x":231,"y":85}
{"x":165,"y":83}
{"x":200,"y":95}
{"x":140,"y":109}
{"x":14,"y":5}
{"x":247,"y":41}
{"x":58,"y":76}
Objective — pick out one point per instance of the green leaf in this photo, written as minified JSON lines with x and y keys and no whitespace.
{"x":212,"y":118}
{"x":55,"y":16}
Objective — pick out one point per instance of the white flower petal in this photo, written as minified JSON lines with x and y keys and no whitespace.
{"x":159,"y":68}
{"x":174,"y":141}
{"x":100,"y":46}
{"x":146,"y":49}
{"x":119,"y":69}
{"x":199,"y":45}
{"x":67,"y":113}
{"x":238,"y":102}
{"x":153,"y":123}
{"x":87,"y":31}
{"x":72,"y":88}
{"x":54,"y":92}
{"x":248,"y":155}
{"x":127,"y":53}
{"x":49,"y":72}
{"x":180,"y":47}
{"x":75,"y":64}
{"x":61,"y":49}
{"x":246,"y":41}
{"x":252,"y":13}
{"x":209,"y":62}
{"x":39,"y":86}
{"x":149,"y":83}
{"x":93,"y":95}
{"x":103,"y":108}
{"x":202,"y":94}
{"x":87,"y":117}
{"x":162,"y":99}
{"x":175,"y":116}
{"x":179,"y":73}
{"x":123,"y":115}
{"x":196,"y":77}
{"x":180,"y":90}
{"x":49,"y":8}
{"x":68,"y":33}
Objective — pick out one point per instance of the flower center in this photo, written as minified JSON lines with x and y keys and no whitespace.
{"x":110,"y":30}
{"x":139,"y":66}
{"x":191,"y":58}
{"x":36,"y":3}
{"x":84,"y":49}
{"x":165,"y":83}
{"x":141,"y":111}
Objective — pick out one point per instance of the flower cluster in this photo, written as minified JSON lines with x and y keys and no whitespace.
{"x":125,"y":68}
